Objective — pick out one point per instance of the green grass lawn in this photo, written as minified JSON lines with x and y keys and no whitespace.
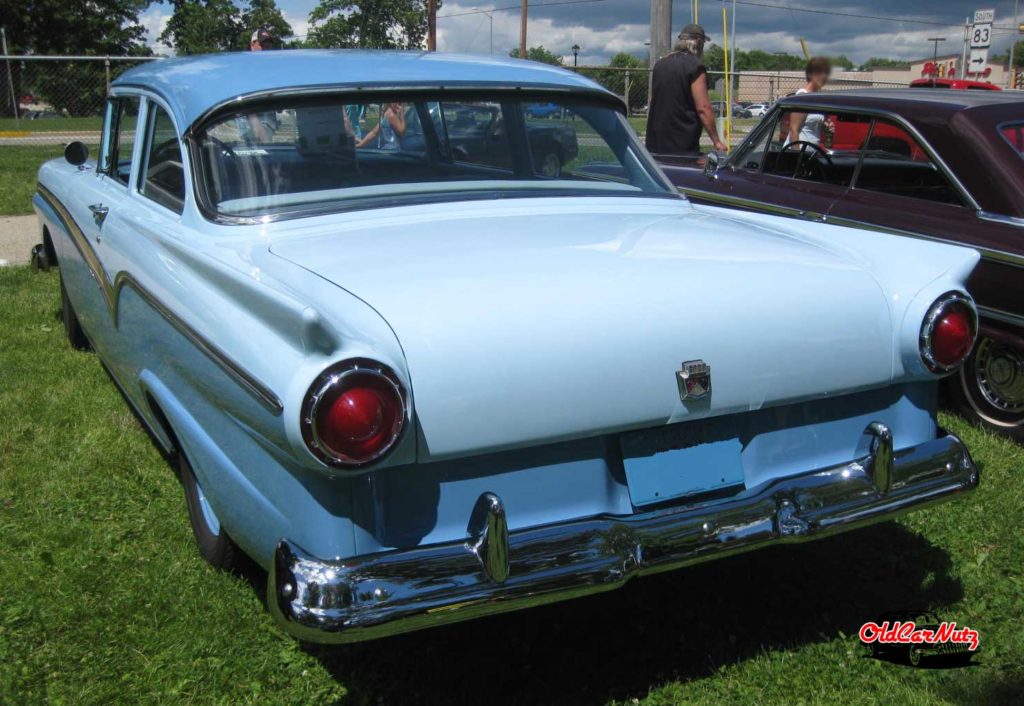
{"x":104,"y":600}
{"x":18,"y":169}
{"x":52,"y":124}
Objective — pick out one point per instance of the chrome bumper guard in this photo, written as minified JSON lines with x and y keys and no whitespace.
{"x":492,"y":571}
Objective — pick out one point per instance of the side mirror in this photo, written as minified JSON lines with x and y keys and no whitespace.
{"x":711,"y":165}
{"x":76,"y":153}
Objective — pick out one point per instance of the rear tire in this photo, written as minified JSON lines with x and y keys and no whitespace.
{"x":215,"y":546}
{"x":550,"y":165}
{"x":72,"y":328}
{"x":989,"y":389}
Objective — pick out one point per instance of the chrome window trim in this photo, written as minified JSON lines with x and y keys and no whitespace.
{"x":771,"y":208}
{"x":1001,"y":218}
{"x":940,"y":307}
{"x":111,"y":295}
{"x":328,"y":380}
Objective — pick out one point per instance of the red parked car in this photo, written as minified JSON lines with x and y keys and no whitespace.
{"x":940,"y":165}
{"x":955,"y":83}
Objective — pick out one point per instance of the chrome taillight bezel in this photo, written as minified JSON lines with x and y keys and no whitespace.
{"x":344,"y":373}
{"x":935,"y":313}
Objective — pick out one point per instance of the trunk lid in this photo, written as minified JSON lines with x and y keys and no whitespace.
{"x":536,"y":320}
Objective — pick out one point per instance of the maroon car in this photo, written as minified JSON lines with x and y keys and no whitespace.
{"x":939,"y":165}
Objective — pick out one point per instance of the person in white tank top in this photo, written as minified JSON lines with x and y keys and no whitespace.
{"x":810,"y":127}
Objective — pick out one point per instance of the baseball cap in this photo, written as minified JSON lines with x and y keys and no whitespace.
{"x":693,"y":32}
{"x":263,"y":36}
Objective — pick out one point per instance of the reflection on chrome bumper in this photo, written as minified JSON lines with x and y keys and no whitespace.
{"x":492,"y":571}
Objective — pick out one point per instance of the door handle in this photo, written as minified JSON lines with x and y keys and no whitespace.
{"x":99,"y":213}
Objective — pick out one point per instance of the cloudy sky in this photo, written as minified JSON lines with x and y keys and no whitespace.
{"x":605,"y":27}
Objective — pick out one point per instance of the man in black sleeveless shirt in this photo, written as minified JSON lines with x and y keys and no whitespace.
{"x":679,"y":99}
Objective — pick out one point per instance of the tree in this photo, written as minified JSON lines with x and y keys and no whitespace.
{"x":203,"y":26}
{"x":263,"y":13}
{"x":538,"y":53}
{"x":369,"y":24}
{"x":615,"y":81}
{"x":758,"y":60}
{"x":842,"y":62}
{"x":1018,"y":55}
{"x":877,"y":62}
{"x":753,"y":60}
{"x":96,"y":28}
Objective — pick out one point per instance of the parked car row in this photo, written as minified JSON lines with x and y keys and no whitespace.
{"x":422,"y":376}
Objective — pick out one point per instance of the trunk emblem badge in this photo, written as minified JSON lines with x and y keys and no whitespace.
{"x":694,"y":380}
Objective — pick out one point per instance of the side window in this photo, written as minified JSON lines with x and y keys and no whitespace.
{"x":1014,"y":134}
{"x":553,"y":131}
{"x":751,"y":156}
{"x":477,"y":134}
{"x":119,"y":137}
{"x":894,"y":163}
{"x":162,"y":177}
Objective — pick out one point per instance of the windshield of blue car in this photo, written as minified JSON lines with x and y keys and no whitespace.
{"x":295,"y":157}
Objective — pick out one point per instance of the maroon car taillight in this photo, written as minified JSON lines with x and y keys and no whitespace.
{"x":948,"y":332}
{"x":354,"y":413}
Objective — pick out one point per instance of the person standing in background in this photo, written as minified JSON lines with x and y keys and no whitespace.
{"x":260,"y":128}
{"x":812,"y":127}
{"x":680,"y":106}
{"x":389,"y":130}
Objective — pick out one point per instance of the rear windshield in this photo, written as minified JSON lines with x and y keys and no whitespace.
{"x":1014,"y":134}
{"x":295,"y":157}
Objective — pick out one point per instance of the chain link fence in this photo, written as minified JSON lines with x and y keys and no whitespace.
{"x":54,"y":100}
{"x":753,"y":92}
{"x":49,"y":100}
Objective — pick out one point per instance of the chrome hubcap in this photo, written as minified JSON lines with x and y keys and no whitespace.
{"x":550,"y":166}
{"x":999,"y":372}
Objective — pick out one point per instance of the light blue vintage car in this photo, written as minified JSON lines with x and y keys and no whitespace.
{"x":421,"y":379}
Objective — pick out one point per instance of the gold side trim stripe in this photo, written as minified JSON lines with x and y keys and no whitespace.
{"x":111,"y":292}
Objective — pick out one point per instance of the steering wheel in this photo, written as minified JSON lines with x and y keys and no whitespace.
{"x":800,"y":162}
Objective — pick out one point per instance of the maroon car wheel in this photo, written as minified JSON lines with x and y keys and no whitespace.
{"x":990,"y":387}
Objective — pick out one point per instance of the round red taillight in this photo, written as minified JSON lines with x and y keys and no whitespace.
{"x":948,"y":333}
{"x":354,"y":413}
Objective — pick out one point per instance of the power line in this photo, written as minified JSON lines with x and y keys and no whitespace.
{"x":519,"y":6}
{"x":836,"y":13}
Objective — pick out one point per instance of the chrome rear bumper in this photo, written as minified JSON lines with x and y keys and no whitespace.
{"x":492,"y":571}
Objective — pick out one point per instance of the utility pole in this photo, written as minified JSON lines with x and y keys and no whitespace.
{"x":935,"y":55}
{"x":661,"y":36}
{"x":10,"y":76}
{"x":1012,"y":83}
{"x":431,"y":25}
{"x":661,"y":29}
{"x":967,"y":40}
{"x":522,"y":30}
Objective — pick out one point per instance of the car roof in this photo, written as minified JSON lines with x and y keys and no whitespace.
{"x":909,"y":101}
{"x":194,"y":85}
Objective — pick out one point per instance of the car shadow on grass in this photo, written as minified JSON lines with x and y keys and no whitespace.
{"x":677,"y":626}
